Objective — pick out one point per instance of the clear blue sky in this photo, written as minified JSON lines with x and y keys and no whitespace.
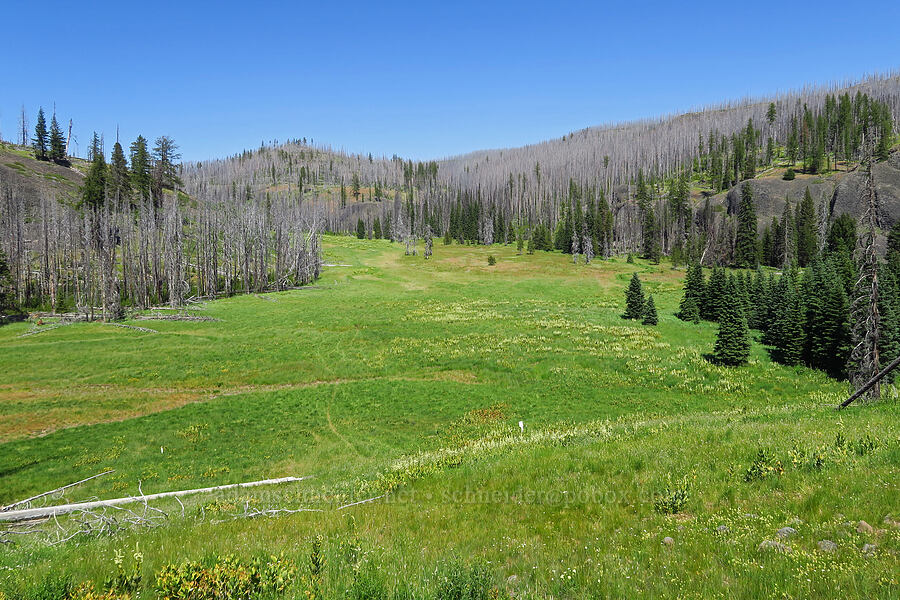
{"x":415,"y":79}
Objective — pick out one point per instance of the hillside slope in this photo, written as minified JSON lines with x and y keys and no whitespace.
{"x":34,"y":179}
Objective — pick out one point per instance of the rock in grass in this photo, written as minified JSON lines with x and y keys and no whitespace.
{"x":773,"y":545}
{"x":869,"y":549}
{"x":786,"y":532}
{"x":668,"y":541}
{"x":827,"y":546}
{"x":888,"y":520}
{"x":863,"y":527}
{"x":722,"y":529}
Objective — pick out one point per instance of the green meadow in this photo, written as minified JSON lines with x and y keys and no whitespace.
{"x":405,"y":380}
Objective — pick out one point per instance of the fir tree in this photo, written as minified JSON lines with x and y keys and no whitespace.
{"x":733,"y":339}
{"x":39,"y":141}
{"x":694,"y":290}
{"x":377,"y":228}
{"x":119,"y":177}
{"x":140,"y":167}
{"x":745,"y":248}
{"x":650,"y":316}
{"x":7,"y":293}
{"x":714,"y":298}
{"x":807,"y":239}
{"x":360,"y":229}
{"x":93,"y":191}
{"x":826,"y":320}
{"x":57,"y":141}
{"x":634,"y":299}
{"x":786,"y":333}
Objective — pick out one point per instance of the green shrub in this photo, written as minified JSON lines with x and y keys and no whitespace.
{"x":674,"y":497}
{"x":492,"y":260}
{"x":763,"y":466}
{"x":227,"y":577}
{"x":789,"y":175}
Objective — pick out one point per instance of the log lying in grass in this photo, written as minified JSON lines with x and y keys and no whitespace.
{"x":53,"y":511}
{"x":59,"y":489}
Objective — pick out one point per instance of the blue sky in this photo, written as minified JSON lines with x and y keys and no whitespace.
{"x":415,"y":79}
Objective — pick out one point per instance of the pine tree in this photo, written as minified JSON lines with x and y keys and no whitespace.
{"x":39,"y":141}
{"x":377,"y":228}
{"x":119,"y":177}
{"x":694,"y":290}
{"x":807,"y":239}
{"x":786,"y":334}
{"x":93,"y":191}
{"x":7,"y":293}
{"x":714,"y":299}
{"x":733,"y":339}
{"x":360,"y":229}
{"x":745,"y":248}
{"x":826,"y":320}
{"x":57,"y":141}
{"x":650,"y":316}
{"x":140,"y":167}
{"x":634,"y":299}
{"x":889,"y":311}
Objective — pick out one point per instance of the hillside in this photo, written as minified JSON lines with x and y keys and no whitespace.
{"x":34,"y":179}
{"x":409,"y":377}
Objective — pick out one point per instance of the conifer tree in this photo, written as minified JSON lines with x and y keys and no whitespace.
{"x":650,"y":316}
{"x":714,"y":298}
{"x":119,"y":177}
{"x":889,"y":312}
{"x":733,"y":339}
{"x":93,"y":192}
{"x":826,"y":320}
{"x":39,"y":141}
{"x":807,"y":239}
{"x":57,"y":141}
{"x":634,"y":299}
{"x":786,"y":333}
{"x":360,"y":229}
{"x":140,"y":167}
{"x":694,"y":289}
{"x":377,"y":228}
{"x":746,"y":248}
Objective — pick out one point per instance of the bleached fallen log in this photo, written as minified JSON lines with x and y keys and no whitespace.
{"x":62,"y":509}
{"x":361,"y":502}
{"x":57,"y":490}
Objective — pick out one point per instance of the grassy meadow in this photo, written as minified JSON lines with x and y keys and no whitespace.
{"x":405,"y":379}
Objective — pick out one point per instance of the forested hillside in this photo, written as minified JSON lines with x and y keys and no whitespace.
{"x":636,"y":184}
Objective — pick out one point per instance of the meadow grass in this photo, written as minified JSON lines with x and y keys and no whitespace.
{"x":400,"y":375}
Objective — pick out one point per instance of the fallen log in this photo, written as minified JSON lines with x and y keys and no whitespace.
{"x":62,"y":509}
{"x":59,"y":489}
{"x":871,"y":383}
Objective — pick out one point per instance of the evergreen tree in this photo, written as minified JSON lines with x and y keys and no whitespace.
{"x":650,"y":316}
{"x":694,"y":290}
{"x":634,"y":299}
{"x":826,"y":320}
{"x":377,"y":228}
{"x":40,"y":139}
{"x":733,"y":339}
{"x":360,"y":229}
{"x":652,"y":250}
{"x":889,"y":312}
{"x":714,"y":299}
{"x":807,"y":238}
{"x":140,"y":167}
{"x":119,"y":177}
{"x":57,"y":141}
{"x":786,"y":333}
{"x":93,"y":191}
{"x":745,"y":248}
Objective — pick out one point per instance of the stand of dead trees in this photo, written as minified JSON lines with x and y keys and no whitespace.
{"x":139,"y":252}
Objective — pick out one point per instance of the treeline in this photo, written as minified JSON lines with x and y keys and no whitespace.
{"x":133,"y":239}
{"x":806,"y":316}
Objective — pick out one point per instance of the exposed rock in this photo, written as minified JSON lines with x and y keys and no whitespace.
{"x":863,"y":527}
{"x":722,"y":528}
{"x":827,"y":546}
{"x":786,"y":532}
{"x":773,"y":545}
{"x":888,"y":520}
{"x":869,"y":548}
{"x":668,"y":541}
{"x":512,"y":580}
